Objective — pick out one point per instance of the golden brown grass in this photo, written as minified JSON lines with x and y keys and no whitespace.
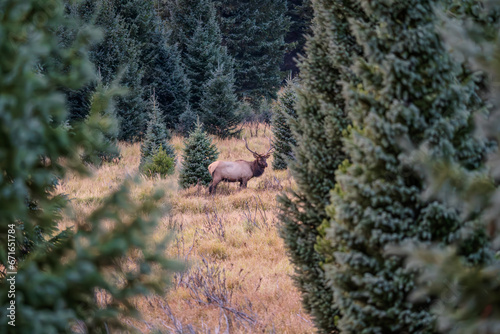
{"x":238,"y":279}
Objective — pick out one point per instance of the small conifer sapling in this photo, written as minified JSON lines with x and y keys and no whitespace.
{"x":199,"y":153}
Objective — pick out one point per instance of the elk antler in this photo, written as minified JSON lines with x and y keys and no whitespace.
{"x":271,"y":147}
{"x":246,"y":145}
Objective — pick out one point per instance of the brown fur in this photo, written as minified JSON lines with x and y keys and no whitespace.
{"x":237,"y":171}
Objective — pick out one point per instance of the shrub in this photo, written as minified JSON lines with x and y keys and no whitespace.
{"x":159,"y":164}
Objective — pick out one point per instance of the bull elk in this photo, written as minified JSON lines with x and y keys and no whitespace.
{"x":240,"y":170}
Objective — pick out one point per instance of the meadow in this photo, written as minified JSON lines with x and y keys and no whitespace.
{"x":239,"y":277}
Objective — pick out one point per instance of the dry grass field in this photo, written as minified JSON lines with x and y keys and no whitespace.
{"x":238,"y":279}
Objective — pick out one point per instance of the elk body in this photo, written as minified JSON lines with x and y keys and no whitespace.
{"x":238,"y":171}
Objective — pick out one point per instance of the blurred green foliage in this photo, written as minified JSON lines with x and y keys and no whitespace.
{"x":83,"y":277}
{"x":467,"y":297}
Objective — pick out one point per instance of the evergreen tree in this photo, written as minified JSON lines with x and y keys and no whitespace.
{"x":102,"y":117}
{"x":320,"y":122}
{"x":182,"y":17}
{"x":199,"y":153}
{"x":300,"y":13}
{"x":161,"y":62}
{"x":468,"y":296}
{"x":171,"y":84}
{"x":117,"y":56}
{"x":194,"y":27}
{"x":58,"y":277}
{"x":187,"y":121}
{"x":264,"y":112}
{"x":219,"y":105}
{"x":204,"y":53}
{"x":254,"y":32}
{"x":156,"y":135}
{"x":136,"y":43}
{"x":283,"y":114}
{"x":409,"y":95}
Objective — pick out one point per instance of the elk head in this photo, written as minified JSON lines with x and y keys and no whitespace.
{"x":260,"y":159}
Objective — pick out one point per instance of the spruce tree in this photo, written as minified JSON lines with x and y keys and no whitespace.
{"x":58,"y":277}
{"x":170,"y":82}
{"x":264,"y":113}
{"x":194,"y":27}
{"x":136,"y":43}
{"x":160,"y":60}
{"x":183,"y":16}
{"x":474,"y":306}
{"x":283,"y":114}
{"x":187,"y":121}
{"x":203,"y":55}
{"x":219,"y":104}
{"x":116,"y":57}
{"x":102,"y":117}
{"x":321,"y":119}
{"x":254,"y":32}
{"x":156,"y":135}
{"x":300,"y":13}
{"x":199,"y":153}
{"x":119,"y":56}
{"x":409,"y":95}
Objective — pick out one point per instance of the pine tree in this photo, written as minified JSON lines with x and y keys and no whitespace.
{"x":283,"y":114}
{"x":254,"y":32}
{"x":161,"y":61}
{"x":264,"y":112}
{"x":219,"y":104}
{"x":320,"y":122}
{"x":474,"y":306}
{"x":102,"y":117}
{"x":156,"y":135}
{"x":199,"y":153}
{"x":120,"y":52}
{"x":135,"y":43}
{"x":171,"y":84}
{"x":182,"y":18}
{"x":409,"y":95}
{"x":195,"y":29}
{"x":300,"y":13}
{"x":187,"y":121}
{"x":203,"y":54}
{"x":58,"y":276}
{"x":117,"y":56}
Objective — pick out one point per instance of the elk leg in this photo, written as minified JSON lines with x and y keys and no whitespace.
{"x":213,"y":186}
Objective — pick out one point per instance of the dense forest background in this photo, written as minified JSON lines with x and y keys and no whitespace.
{"x":221,"y":61}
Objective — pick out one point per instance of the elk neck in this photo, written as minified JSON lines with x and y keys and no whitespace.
{"x":256,"y":169}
